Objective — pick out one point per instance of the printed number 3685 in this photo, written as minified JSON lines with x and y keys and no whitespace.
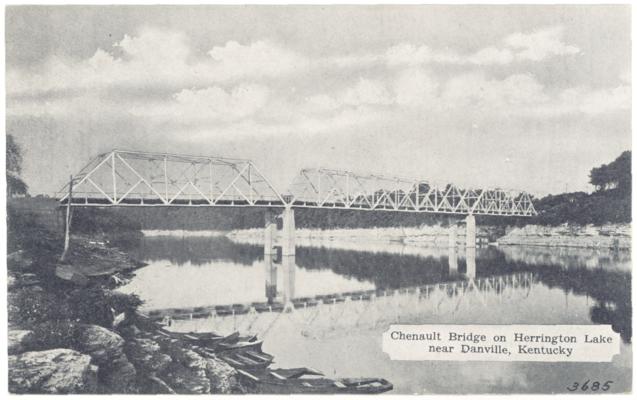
{"x":593,"y":387}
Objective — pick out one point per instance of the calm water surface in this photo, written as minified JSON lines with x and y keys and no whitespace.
{"x":507,"y":285}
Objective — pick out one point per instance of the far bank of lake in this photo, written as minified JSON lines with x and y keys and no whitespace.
{"x":613,"y":236}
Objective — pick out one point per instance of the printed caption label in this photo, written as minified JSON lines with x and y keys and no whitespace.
{"x":543,"y":343}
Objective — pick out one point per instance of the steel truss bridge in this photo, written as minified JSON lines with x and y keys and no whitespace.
{"x":134,"y":179}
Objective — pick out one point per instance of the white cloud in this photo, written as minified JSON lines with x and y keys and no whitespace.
{"x":414,"y":87}
{"x":492,"y":55}
{"x":260,"y":58}
{"x":475,"y":90}
{"x":408,"y":54}
{"x":155,"y":57}
{"x":588,"y":101}
{"x":227,"y":89}
{"x":534,"y":46}
{"x":540,"y":44}
{"x":159,"y":58}
{"x":364,"y":92}
{"x":208,"y":105}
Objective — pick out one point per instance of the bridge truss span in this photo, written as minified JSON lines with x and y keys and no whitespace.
{"x":326,"y":188}
{"x":132,"y":178}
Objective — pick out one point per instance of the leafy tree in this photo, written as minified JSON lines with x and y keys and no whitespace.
{"x":15,"y":185}
{"x":615,"y":175}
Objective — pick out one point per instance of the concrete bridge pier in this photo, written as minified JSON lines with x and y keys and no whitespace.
{"x":270,"y":278}
{"x":288,"y":264}
{"x":288,"y":232}
{"x":471,"y":230}
{"x":284,"y":237}
{"x":471,"y":262}
{"x":269,"y":234}
{"x":453,"y":235}
{"x":453,"y":261}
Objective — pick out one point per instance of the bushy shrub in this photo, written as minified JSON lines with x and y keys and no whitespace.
{"x":122,"y":302}
{"x":91,"y":306}
{"x":54,"y":334}
{"x":28,"y":307}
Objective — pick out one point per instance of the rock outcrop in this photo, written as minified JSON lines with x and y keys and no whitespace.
{"x":607,"y":236}
{"x":223,"y":378}
{"x":106,"y":348}
{"x":146,"y":356}
{"x":19,"y":340}
{"x":57,"y":371}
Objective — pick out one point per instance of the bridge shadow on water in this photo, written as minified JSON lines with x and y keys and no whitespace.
{"x":603,"y":276}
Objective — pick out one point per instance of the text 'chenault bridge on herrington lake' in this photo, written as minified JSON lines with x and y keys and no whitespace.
{"x":142,"y":179}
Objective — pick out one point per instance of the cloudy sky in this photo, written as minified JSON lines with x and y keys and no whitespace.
{"x":522,"y":97}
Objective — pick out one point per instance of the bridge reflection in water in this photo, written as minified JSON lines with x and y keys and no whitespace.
{"x":340,"y":313}
{"x":301,"y":305}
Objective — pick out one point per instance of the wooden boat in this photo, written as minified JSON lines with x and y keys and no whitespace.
{"x":252,"y":344}
{"x":295,"y":381}
{"x":247,"y":359}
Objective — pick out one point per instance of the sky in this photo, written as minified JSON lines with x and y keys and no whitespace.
{"x":520,"y":97}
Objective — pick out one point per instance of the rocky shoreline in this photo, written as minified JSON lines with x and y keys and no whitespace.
{"x":71,"y":332}
{"x":608,"y":236}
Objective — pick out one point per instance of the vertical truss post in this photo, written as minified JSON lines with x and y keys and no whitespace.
{"x":114,"y":177}
{"x":347,"y":195}
{"x":417,"y":205}
{"x":318,"y":200}
{"x":211,"y":182}
{"x":166,"y":177}
{"x":250,"y":189}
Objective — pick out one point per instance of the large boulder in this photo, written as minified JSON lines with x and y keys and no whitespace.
{"x":118,"y":377}
{"x":185,"y":380}
{"x":187,"y":373}
{"x":52,"y":371}
{"x":19,"y":340}
{"x":223,"y":378}
{"x":146,"y":356}
{"x":106,"y":348}
{"x":103,"y":345}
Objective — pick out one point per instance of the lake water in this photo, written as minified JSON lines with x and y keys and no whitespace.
{"x":392,"y":284}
